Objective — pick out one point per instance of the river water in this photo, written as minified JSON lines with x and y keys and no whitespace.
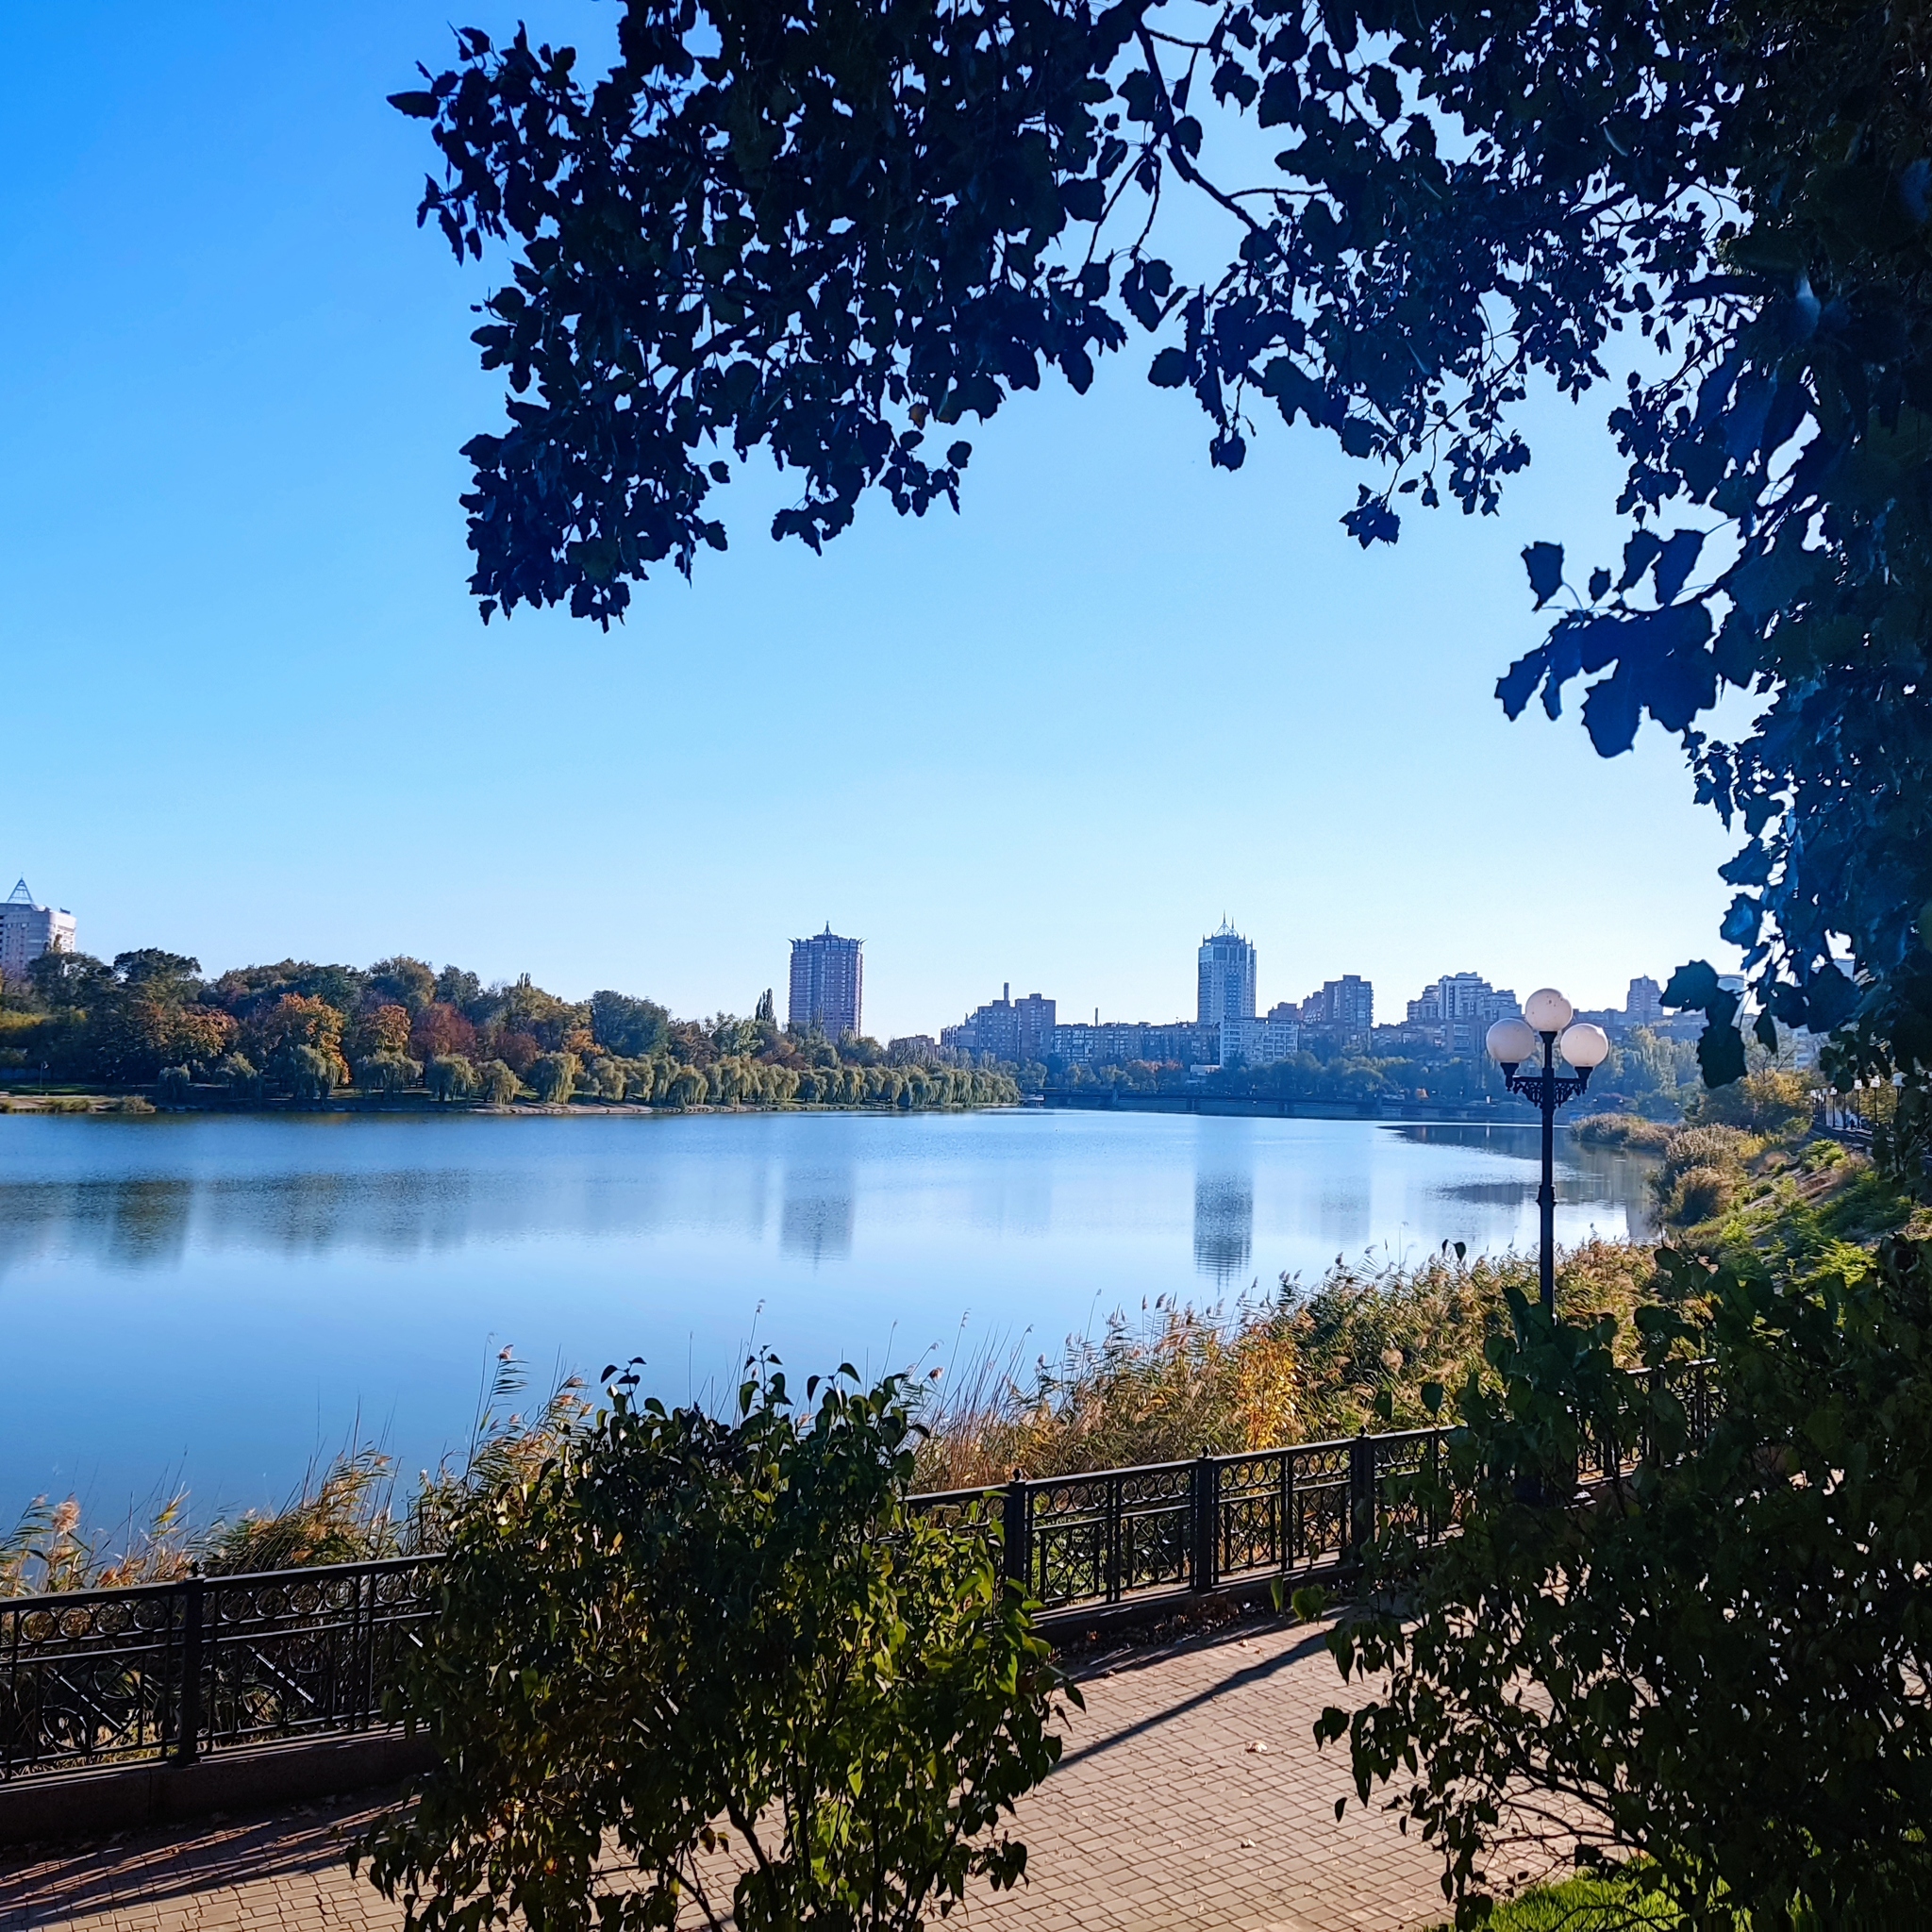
{"x":222,"y":1301}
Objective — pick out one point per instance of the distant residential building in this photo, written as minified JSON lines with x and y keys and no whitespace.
{"x":1226,"y":974}
{"x":1456,"y":1012}
{"x":1240,"y":1041}
{"x":1261,"y":1042}
{"x":28,"y":930}
{"x":1643,"y":1005}
{"x":1005,"y":1028}
{"x":1342,"y":1012}
{"x":1114,"y":1042}
{"x":827,"y":983}
{"x":913,"y":1050}
{"x":1281,"y":1033}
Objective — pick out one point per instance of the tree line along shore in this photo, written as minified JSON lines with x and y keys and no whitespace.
{"x":148,"y":1025}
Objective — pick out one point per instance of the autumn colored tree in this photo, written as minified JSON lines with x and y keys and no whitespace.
{"x":297,"y":1021}
{"x":385,"y":1029}
{"x":440,"y":1030}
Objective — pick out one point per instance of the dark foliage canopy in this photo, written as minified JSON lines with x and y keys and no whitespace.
{"x":834,"y":229}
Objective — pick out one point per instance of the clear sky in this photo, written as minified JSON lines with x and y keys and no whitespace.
{"x":250,"y":710}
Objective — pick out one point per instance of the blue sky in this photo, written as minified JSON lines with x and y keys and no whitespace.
{"x":251,"y":712}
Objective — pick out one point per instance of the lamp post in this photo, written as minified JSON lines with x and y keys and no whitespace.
{"x":1549,"y":1020}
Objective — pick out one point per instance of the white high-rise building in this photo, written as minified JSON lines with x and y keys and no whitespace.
{"x":28,"y":930}
{"x":1226,"y":978}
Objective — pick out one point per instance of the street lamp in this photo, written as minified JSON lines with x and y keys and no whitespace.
{"x":1548,"y":1018}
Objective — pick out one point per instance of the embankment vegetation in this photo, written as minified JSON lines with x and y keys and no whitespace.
{"x":298,"y":1031}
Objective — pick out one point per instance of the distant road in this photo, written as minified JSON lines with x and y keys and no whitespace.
{"x":1510,"y":1113}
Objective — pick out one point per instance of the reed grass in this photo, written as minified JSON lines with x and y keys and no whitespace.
{"x":1302,"y":1364}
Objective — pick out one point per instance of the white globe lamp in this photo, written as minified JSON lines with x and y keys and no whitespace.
{"x":1584,"y":1045}
{"x":1510,"y":1042}
{"x":1547,"y":1010}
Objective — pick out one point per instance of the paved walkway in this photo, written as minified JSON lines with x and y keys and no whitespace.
{"x":1190,"y":1794}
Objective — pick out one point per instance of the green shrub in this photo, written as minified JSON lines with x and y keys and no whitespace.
{"x":683,"y":1630}
{"x":1770,"y":1104}
{"x":1722,"y":1665}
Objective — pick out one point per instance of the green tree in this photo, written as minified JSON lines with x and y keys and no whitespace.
{"x":456,"y":987}
{"x":499,"y":1085}
{"x":1725,"y":1657}
{"x":409,"y":983}
{"x":684,"y":1622}
{"x":451,"y":1076}
{"x":555,"y":1077}
{"x":780,"y":251}
{"x":388,"y":1072}
{"x":627,"y":1026}
{"x":309,"y":1072}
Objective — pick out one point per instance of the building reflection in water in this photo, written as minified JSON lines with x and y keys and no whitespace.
{"x":815,"y":1222}
{"x":1224,"y":1225}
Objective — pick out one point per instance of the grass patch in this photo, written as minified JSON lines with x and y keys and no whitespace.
{"x":1609,"y":1902}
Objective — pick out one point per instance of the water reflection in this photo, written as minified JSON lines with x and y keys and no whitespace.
{"x":1585,"y":1176}
{"x":275,"y":1278}
{"x":1224,"y":1225}
{"x":818,"y":1214}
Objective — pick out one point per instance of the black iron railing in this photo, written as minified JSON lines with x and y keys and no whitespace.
{"x":171,"y":1671}
{"x":1119,"y":1536}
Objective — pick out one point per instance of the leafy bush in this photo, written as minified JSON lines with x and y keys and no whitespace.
{"x":1621,"y":1130}
{"x":683,"y":1631}
{"x":1724,"y":1661}
{"x":1773,"y":1103}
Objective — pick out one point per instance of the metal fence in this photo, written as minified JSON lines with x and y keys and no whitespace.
{"x":1119,"y":1536}
{"x":170,"y":1671}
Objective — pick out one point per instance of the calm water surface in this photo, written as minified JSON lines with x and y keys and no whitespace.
{"x":221,"y":1300}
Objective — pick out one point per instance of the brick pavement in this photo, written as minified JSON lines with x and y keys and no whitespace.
{"x":1190,"y":1794}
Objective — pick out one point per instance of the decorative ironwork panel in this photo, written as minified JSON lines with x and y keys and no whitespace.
{"x":1401,"y":1460}
{"x":1252,"y":1510}
{"x":101,"y":1677}
{"x":1097,"y":1538}
{"x":1318,"y":1504}
{"x":91,"y":1677}
{"x":299,"y":1652}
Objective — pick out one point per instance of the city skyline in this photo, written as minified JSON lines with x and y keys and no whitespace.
{"x":816,"y":988}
